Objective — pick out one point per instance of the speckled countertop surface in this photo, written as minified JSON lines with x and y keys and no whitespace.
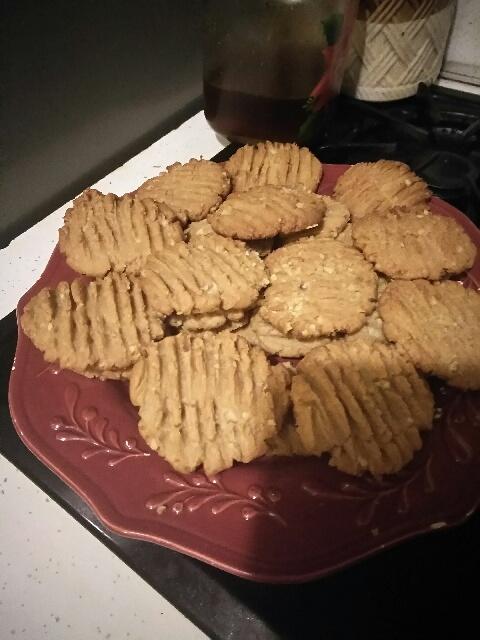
{"x":57,"y":581}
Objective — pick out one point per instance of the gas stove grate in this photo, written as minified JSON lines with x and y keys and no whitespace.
{"x":437,"y":132}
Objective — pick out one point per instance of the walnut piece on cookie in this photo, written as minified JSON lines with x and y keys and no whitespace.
{"x":334,"y":221}
{"x":264,"y":212}
{"x":104,"y":233}
{"x":364,"y":404}
{"x":97,"y":328}
{"x":411,"y":246}
{"x":437,"y":325}
{"x":209,"y":274}
{"x":204,"y":400}
{"x":319,"y":288}
{"x":369,"y":187}
{"x":192,"y":190}
{"x":276,"y":163}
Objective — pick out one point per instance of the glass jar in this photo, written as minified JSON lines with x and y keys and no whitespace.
{"x":271,"y":66}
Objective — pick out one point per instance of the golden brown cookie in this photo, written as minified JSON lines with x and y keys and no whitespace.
{"x":319,"y":288}
{"x":214,"y":241}
{"x":208,"y":274}
{"x":204,"y":400}
{"x":261,"y":333}
{"x":192,"y":190}
{"x":438,"y":327}
{"x":98,"y":328}
{"x":406,"y":246}
{"x":364,"y":404}
{"x":274,"y":163}
{"x":370,"y":187}
{"x":203,"y":228}
{"x":213,"y":321}
{"x":334,"y":221}
{"x":264,"y":212}
{"x":104,"y":232}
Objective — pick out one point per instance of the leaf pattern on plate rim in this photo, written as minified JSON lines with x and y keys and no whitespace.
{"x":372,"y":491}
{"x":199,"y":491}
{"x":93,"y":430}
{"x":463,"y":410}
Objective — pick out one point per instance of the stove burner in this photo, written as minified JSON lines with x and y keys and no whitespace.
{"x":449,"y":175}
{"x":436,"y":132}
{"x":444,"y":170}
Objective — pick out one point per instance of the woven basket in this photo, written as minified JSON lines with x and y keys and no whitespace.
{"x":397,"y":44}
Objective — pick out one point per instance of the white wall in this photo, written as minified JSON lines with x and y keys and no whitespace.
{"x":462,"y":59}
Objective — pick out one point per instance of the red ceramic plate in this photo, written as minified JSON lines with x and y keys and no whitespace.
{"x":276,"y":520}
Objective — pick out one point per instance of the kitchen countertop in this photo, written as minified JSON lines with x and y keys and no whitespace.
{"x":56,"y":580}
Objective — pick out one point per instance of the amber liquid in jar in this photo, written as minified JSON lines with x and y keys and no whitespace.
{"x":235,"y":114}
{"x":262,"y":59}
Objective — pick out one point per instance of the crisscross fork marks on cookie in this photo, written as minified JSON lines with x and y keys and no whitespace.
{"x":104,"y":232}
{"x":437,"y":325}
{"x":98,"y":328}
{"x":204,"y":400}
{"x":192,"y":190}
{"x":364,"y":404}
{"x":204,"y":276}
{"x":274,"y":163}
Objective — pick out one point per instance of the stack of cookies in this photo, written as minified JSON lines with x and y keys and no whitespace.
{"x":192,"y":287}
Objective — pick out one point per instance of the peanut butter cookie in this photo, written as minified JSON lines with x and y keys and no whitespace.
{"x":274,"y":163}
{"x":319,"y":288}
{"x":204,"y":400}
{"x":264,"y":212}
{"x":209,"y":274}
{"x":406,"y":246}
{"x":229,"y":320}
{"x":364,"y":404}
{"x":334,"y":221}
{"x":438,"y":327}
{"x":192,"y":190}
{"x":104,"y":233}
{"x":369,"y":187}
{"x":98,"y":328}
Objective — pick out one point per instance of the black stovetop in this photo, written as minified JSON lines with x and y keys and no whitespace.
{"x":436,"y":132}
{"x":420,"y":589}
